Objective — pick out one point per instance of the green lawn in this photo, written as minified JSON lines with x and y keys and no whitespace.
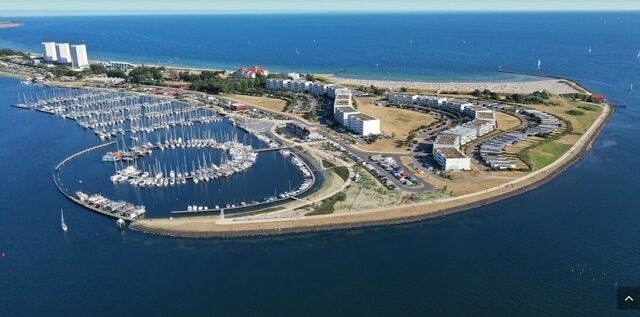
{"x":544,"y":154}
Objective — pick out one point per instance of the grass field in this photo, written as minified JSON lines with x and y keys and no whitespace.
{"x":505,"y":121}
{"x":580,"y":115}
{"x":397,"y":122}
{"x":581,"y":122}
{"x":273,"y":104}
{"x":544,"y":154}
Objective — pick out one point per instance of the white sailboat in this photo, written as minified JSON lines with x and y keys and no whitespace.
{"x":589,"y":49}
{"x":539,"y":64}
{"x":638,"y":56}
{"x":120,"y":223}
{"x":62,"y":224}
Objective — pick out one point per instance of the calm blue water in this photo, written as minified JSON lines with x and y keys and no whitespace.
{"x":557,"y":250}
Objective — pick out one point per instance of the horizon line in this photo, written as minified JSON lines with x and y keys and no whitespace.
{"x":79,"y":13}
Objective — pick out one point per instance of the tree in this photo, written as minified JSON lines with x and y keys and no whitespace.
{"x":476,"y":93}
{"x":403,"y":89}
{"x":116,"y":73}
{"x":310,"y":77}
{"x":493,"y":96}
{"x":98,"y":69}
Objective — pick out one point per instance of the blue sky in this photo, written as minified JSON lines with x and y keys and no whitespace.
{"x":73,"y":7}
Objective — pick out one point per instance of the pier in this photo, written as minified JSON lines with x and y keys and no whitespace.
{"x":73,"y":156}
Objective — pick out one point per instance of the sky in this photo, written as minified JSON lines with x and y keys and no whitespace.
{"x":109,"y":7}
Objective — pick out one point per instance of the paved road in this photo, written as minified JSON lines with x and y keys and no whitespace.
{"x":364,"y":156}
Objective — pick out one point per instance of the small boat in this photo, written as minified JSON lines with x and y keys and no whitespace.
{"x":120,"y":223}
{"x":589,"y":50}
{"x":62,"y":224}
{"x":539,"y":64}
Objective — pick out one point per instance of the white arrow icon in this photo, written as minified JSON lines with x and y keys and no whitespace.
{"x":629,"y":298}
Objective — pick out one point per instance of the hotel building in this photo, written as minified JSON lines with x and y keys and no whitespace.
{"x":79,"y":57}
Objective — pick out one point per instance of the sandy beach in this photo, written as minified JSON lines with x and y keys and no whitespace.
{"x":553,"y":86}
{"x":212,"y":226}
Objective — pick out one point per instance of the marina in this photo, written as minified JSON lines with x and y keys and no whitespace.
{"x":155,"y":144}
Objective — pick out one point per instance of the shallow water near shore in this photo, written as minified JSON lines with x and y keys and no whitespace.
{"x":556,"y":250}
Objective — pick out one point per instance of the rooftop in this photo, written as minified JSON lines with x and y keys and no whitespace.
{"x":347,"y":109}
{"x":451,"y":153}
{"x":446,"y":139}
{"x":485,"y":115}
{"x":363,"y":117}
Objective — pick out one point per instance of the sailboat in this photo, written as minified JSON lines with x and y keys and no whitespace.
{"x":62,"y":224}
{"x":638,"y":56}
{"x":539,"y":64}
{"x":589,"y":49}
{"x":120,"y":223}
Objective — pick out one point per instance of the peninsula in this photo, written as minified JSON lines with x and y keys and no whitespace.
{"x":386,"y":151}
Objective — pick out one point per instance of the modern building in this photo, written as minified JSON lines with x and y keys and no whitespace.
{"x":463,"y":133}
{"x":63,"y":53}
{"x":341,"y":114}
{"x":402,"y":99}
{"x":299,"y":86}
{"x":451,"y":159}
{"x":320,"y":88}
{"x":277,"y":84}
{"x":472,"y":111}
{"x":446,"y":141}
{"x":238,"y":106}
{"x":363,"y":124}
{"x":49,"y":52}
{"x":123,"y":66}
{"x":294,"y":76}
{"x":79,"y":57}
{"x":482,"y":127}
{"x":303,"y":131}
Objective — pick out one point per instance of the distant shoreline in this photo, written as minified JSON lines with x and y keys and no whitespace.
{"x":9,"y":24}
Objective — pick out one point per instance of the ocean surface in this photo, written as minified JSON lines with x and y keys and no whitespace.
{"x":557,"y":250}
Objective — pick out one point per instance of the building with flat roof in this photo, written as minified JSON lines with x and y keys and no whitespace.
{"x":482,"y":127}
{"x":303,"y":131}
{"x":49,"y":52}
{"x":451,"y":159}
{"x":464,"y":134}
{"x":363,"y":124}
{"x":123,"y":66}
{"x":341,"y":114}
{"x":79,"y":58}
{"x":63,"y":53}
{"x":446,"y":141}
{"x":473,"y":110}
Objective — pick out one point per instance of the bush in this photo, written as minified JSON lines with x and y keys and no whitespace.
{"x":574,"y":112}
{"x":342,"y":171}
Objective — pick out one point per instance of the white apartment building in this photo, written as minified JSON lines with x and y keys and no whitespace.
{"x":49,"y":52}
{"x":63,"y":53}
{"x":301,"y":85}
{"x":451,"y":159}
{"x":402,"y":98}
{"x":482,"y":127}
{"x":473,"y":110}
{"x":363,"y":124}
{"x":320,"y":88}
{"x":276,"y":84}
{"x":463,"y":133}
{"x":446,"y":141}
{"x":124,"y":66}
{"x":79,"y":57}
{"x":341,"y":114}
